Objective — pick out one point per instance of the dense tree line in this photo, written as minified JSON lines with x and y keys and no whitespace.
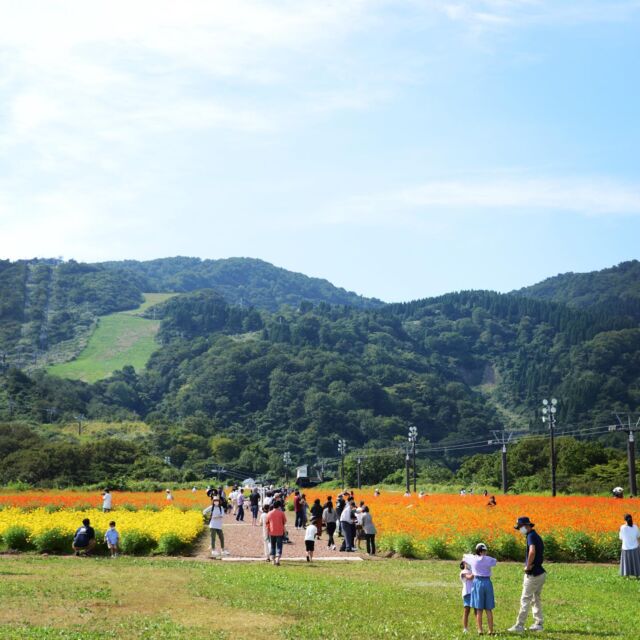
{"x":240,"y":384}
{"x":242,"y":281}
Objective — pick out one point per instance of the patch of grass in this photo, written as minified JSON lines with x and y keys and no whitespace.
{"x":120,"y":339}
{"x":163,"y":598}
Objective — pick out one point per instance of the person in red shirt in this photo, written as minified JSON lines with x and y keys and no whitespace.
{"x":276,"y":522}
{"x":297,"y":510}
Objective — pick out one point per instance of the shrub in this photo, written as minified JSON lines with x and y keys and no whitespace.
{"x":136,"y":542}
{"x":404,"y":546}
{"x":127,"y":507}
{"x":17,"y":538}
{"x":53,"y":541}
{"x":507,"y":547}
{"x":438,"y":548}
{"x":552,"y":549}
{"x":606,"y":548}
{"x":578,"y":546}
{"x":170,"y":544}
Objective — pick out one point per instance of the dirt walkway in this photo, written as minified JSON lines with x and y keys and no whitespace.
{"x":244,"y":543}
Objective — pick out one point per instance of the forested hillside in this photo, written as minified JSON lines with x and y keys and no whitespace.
{"x":617,"y":285}
{"x":242,"y":281}
{"x":45,"y":303}
{"x":238,"y":384}
{"x":49,"y":308}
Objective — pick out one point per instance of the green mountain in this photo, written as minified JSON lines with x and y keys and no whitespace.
{"x":49,"y":309}
{"x":242,"y":281}
{"x":240,"y":384}
{"x":619,"y":284}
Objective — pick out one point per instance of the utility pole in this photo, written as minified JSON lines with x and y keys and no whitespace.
{"x":359,"y":465}
{"x":631,"y":448}
{"x":80,"y":418}
{"x":413,"y":436}
{"x":549,"y":415}
{"x":503,"y":438}
{"x":286,"y":458}
{"x":342,"y":449}
{"x":407,"y":461}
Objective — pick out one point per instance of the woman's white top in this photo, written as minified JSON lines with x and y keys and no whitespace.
{"x":629,"y":536}
{"x":217,"y":515}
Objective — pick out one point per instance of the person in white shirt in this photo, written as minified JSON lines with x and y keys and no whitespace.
{"x":169,"y":495}
{"x":310,"y":535}
{"x":630,"y":555}
{"x":466,"y":577}
{"x":347,"y":529}
{"x":106,"y":501}
{"x":265,"y":532}
{"x":216,"y":514}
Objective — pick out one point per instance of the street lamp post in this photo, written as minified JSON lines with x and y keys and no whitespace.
{"x":359,"y":464}
{"x":549,"y":415}
{"x":286,"y":458}
{"x":407,"y":462}
{"x":342,"y":449}
{"x":413,"y":436}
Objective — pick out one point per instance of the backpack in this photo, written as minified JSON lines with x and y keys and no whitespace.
{"x":81,"y":539}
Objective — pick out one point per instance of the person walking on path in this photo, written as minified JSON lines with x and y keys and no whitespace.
{"x":265,"y":532}
{"x":310,"y":535}
{"x":240,"y":503}
{"x":482,"y":597}
{"x":369,"y":531}
{"x":330,"y":519}
{"x":297,"y":510}
{"x":254,"y":502}
{"x":276,"y":523}
{"x":630,"y":556}
{"x":316,"y":515}
{"x":216,"y":513}
{"x":534,"y":578}
{"x":347,"y":531}
{"x":340,"y":505}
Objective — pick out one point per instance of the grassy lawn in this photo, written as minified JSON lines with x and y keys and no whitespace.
{"x":150,"y":598}
{"x":121,"y":339}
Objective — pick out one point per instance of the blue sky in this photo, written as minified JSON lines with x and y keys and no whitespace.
{"x":399,"y":149}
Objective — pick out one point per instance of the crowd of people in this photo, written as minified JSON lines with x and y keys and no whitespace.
{"x":345,"y":519}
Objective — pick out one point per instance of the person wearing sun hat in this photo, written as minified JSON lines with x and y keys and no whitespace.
{"x":534,"y":578}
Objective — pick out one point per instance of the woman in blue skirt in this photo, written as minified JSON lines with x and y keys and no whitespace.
{"x":482,"y":598}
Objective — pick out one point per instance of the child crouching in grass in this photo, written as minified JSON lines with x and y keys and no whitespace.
{"x":112,"y":538}
{"x":466,"y":577}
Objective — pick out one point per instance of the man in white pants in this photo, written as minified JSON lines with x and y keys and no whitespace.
{"x":534,"y":577}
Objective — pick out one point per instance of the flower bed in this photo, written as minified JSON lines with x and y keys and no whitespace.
{"x":133,"y":500}
{"x":574,"y":528}
{"x":167,"y":531}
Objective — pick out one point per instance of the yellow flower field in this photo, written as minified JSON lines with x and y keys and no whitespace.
{"x":186,"y":525}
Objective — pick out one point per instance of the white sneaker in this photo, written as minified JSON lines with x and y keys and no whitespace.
{"x":333,"y":548}
{"x":517,"y":628}
{"x":214,"y":553}
{"x":225,"y":553}
{"x":536,"y":627}
{"x":465,"y":631}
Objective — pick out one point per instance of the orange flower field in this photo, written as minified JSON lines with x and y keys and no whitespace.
{"x":182,"y":499}
{"x":441,"y":525}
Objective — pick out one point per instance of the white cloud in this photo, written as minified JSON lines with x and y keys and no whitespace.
{"x":414,"y":205}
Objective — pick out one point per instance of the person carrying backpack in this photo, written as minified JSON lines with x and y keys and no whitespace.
{"x":84,"y":539}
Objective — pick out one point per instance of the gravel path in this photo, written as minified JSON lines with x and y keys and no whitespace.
{"x":244,"y":542}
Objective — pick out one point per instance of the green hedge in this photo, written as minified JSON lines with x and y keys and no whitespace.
{"x":571,"y":546}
